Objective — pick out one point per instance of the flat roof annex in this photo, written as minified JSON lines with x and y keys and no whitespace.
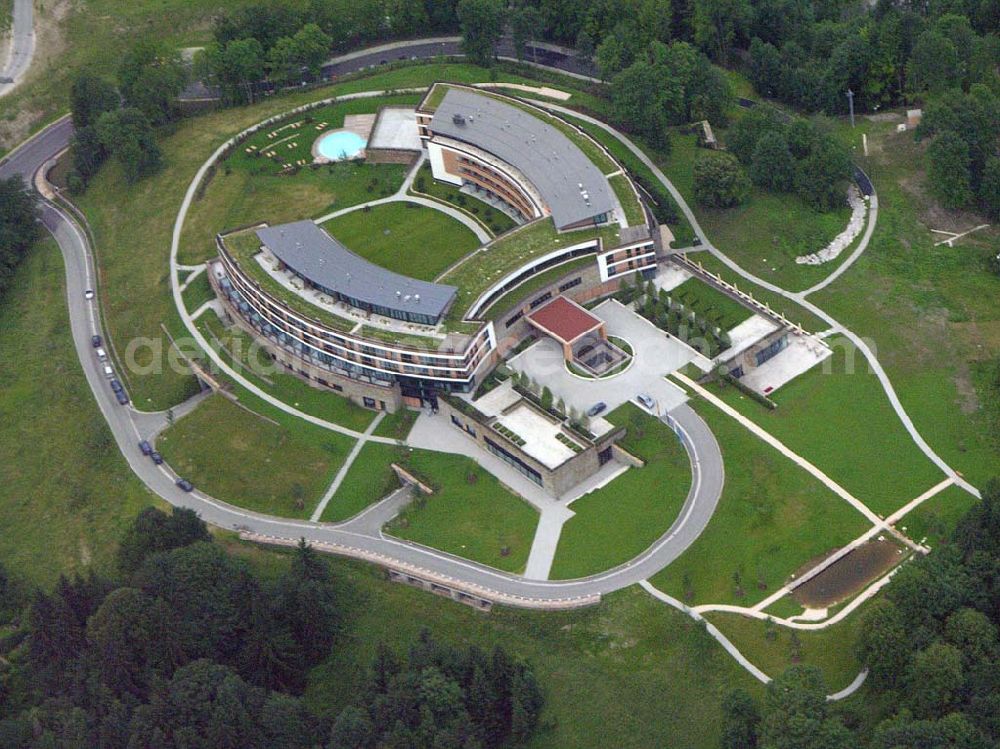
{"x":315,"y":255}
{"x":552,"y":162}
{"x":564,"y":320}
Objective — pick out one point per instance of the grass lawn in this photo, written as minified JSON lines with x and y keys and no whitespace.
{"x":841,"y":421}
{"x":397,"y":425}
{"x":772,"y":518}
{"x":241,"y":458}
{"x":368,"y":480}
{"x":930,"y":310}
{"x":198,"y":292}
{"x":470,"y":514}
{"x":496,"y":221}
{"x":629,"y":673}
{"x":710,"y":303}
{"x":407,"y":238}
{"x":634,"y":214}
{"x":67,"y":494}
{"x":935,"y":520}
{"x":830,"y":649}
{"x":293,"y":139}
{"x":238,"y":197}
{"x":622,"y":519}
{"x":250,"y":359}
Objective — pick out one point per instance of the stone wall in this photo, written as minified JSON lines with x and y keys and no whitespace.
{"x":476,"y":426}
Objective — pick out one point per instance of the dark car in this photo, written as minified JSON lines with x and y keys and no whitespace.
{"x":596,"y":408}
{"x":116,"y":385}
{"x":95,"y":341}
{"x":122,"y":397}
{"x":184,"y":484}
{"x":157,"y":458}
{"x":145,"y":448}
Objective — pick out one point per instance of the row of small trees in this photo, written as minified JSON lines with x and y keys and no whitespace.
{"x":673,"y":316}
{"x":549,"y":402}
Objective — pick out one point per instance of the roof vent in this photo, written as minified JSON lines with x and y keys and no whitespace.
{"x":416,"y":298}
{"x":458,"y":119}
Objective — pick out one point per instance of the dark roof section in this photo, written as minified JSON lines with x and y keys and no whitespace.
{"x":551,"y":161}
{"x":564,"y":320}
{"x":318,"y":257}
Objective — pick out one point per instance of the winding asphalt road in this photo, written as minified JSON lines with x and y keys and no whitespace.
{"x":128,"y":425}
{"x":22,"y":46}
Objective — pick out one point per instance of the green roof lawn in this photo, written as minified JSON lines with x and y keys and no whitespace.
{"x":407,"y":238}
{"x":634,"y":214}
{"x":511,"y":251}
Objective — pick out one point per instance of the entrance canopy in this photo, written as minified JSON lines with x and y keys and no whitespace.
{"x":566,"y":321}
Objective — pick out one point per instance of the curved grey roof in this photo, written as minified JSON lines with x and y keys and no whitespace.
{"x":552,"y":162}
{"x":318,"y":257}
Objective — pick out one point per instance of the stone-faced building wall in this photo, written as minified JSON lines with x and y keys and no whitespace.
{"x":478,"y":428}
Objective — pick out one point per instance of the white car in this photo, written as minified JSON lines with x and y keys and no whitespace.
{"x":645,"y":401}
{"x":88,"y":294}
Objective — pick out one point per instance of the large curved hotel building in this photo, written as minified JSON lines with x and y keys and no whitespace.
{"x":387,"y":340}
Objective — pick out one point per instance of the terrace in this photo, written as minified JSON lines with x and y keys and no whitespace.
{"x":244,"y":246}
{"x":537,"y":434}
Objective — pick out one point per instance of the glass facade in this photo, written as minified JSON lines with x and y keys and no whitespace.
{"x":512,"y":460}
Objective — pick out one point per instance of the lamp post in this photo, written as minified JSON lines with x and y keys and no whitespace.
{"x":850,"y":100}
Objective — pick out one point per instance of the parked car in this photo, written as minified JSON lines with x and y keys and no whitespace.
{"x":157,"y":458}
{"x":645,"y":401}
{"x":102,"y":355}
{"x":122,"y":397}
{"x":88,"y":294}
{"x":95,"y":341}
{"x":145,"y":448}
{"x":108,"y":372}
{"x":184,"y":484}
{"x":597,"y":408}
{"x":116,"y":385}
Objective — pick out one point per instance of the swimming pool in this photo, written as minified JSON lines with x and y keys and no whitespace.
{"x":340,"y":144}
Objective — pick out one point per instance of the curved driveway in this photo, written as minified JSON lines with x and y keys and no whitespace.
{"x":22,"y":46}
{"x":125,"y":423}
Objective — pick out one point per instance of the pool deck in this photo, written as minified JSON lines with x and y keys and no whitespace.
{"x":358,"y":124}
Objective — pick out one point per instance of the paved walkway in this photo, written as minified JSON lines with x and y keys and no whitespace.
{"x":727,"y":644}
{"x":339,"y":478}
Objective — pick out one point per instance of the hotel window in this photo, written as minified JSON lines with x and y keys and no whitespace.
{"x":514,"y":318}
{"x":513,"y":460}
{"x":571,"y":283}
{"x":543,"y":298}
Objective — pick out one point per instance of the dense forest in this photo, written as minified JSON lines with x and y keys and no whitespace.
{"x":932,"y":648}
{"x":188,"y":648}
